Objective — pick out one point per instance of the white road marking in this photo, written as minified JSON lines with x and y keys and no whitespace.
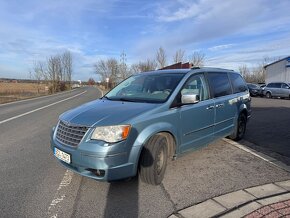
{"x":59,"y":196}
{"x":30,"y":99}
{"x":37,"y":109}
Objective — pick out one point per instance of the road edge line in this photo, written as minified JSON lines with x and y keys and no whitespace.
{"x":37,"y":109}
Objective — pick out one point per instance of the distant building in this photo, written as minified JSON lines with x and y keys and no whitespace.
{"x":178,"y":65}
{"x":278,"y":71}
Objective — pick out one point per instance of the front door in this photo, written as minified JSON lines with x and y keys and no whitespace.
{"x":196,"y":120}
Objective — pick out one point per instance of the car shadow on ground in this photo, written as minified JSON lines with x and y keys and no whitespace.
{"x":122,"y":199}
{"x":268,"y":132}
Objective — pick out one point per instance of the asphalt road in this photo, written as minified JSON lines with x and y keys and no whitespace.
{"x":34,"y":184}
{"x":269,"y":128}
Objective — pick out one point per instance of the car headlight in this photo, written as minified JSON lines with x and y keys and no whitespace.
{"x":111,"y":134}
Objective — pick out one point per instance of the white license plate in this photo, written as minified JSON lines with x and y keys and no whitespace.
{"x":62,"y":155}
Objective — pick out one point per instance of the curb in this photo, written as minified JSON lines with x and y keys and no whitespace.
{"x":243,"y":202}
{"x":238,"y":203}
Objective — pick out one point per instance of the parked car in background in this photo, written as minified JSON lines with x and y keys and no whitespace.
{"x":150,"y":118}
{"x":277,"y":89}
{"x":255,"y":90}
{"x":262,"y":85}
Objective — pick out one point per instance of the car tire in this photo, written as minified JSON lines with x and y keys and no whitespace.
{"x":240,"y":128}
{"x":153,"y":160}
{"x":268,"y":95}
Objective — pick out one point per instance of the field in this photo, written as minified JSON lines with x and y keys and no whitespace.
{"x":16,"y":91}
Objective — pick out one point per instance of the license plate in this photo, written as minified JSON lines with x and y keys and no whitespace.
{"x":62,"y":155}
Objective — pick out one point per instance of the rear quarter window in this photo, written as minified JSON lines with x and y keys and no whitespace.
{"x":219,"y":84}
{"x":238,"y":83}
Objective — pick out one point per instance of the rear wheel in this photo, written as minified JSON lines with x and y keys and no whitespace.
{"x":240,"y":128}
{"x":153,"y":160}
{"x":268,"y":95}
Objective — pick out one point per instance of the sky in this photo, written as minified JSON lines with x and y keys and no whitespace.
{"x":230,"y":33}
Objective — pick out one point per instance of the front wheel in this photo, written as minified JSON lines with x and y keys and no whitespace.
{"x":153,"y":160}
{"x":268,"y":95}
{"x":240,"y":128}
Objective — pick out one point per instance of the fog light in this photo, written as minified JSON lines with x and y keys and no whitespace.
{"x":97,"y":172}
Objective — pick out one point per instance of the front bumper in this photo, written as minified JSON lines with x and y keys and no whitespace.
{"x":114,"y":162}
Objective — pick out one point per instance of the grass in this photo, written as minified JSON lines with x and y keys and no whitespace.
{"x":17,"y":91}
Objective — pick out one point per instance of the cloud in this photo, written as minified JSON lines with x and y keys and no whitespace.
{"x":185,"y":10}
{"x":213,"y":21}
{"x":221,"y":47}
{"x":251,"y":53}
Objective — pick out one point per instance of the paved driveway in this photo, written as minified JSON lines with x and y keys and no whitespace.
{"x":269,"y":128}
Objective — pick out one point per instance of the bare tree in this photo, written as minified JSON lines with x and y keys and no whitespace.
{"x":55,"y":72}
{"x":67,"y":61}
{"x":108,"y":69}
{"x":197,"y":59}
{"x":135,"y":68}
{"x":244,"y":70}
{"x":178,"y":56}
{"x":143,"y":66}
{"x":161,"y":58}
{"x":257,"y":73}
{"x":254,"y":76}
{"x":39,"y":72}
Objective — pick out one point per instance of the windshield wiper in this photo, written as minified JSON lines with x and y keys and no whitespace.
{"x":126,"y":99}
{"x":105,"y":97}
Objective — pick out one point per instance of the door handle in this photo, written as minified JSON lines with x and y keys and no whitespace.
{"x":219,"y":105}
{"x":210,"y":107}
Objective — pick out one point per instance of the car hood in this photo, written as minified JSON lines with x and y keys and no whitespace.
{"x":105,"y":112}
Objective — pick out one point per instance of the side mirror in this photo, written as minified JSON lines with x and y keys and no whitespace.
{"x":189,"y":98}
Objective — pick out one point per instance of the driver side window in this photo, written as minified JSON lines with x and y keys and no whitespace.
{"x":196,"y":85}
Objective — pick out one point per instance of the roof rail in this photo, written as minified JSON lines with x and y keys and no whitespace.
{"x":195,"y":67}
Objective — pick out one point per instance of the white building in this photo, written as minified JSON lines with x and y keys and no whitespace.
{"x":278,"y":71}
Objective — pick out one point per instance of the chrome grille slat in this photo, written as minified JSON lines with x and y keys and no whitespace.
{"x":70,"y":135}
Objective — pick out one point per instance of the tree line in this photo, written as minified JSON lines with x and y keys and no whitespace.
{"x":56,"y":71}
{"x":116,"y":70}
{"x":257,"y":73}
{"x":113,"y":71}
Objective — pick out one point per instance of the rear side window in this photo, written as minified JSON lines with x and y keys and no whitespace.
{"x":238,"y":83}
{"x":274,"y":85}
{"x":219,"y":84}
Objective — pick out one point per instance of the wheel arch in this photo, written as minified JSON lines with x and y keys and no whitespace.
{"x":268,"y":91}
{"x":166,"y":129}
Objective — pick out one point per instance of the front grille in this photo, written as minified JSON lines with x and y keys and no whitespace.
{"x":69,"y":134}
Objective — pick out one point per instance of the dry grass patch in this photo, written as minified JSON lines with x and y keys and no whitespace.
{"x":17,"y":91}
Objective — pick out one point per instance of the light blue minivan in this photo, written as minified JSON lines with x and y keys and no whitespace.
{"x":150,"y":118}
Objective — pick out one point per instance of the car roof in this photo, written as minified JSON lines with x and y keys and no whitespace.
{"x":194,"y":69}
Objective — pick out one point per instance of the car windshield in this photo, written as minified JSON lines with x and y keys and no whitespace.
{"x":253,"y":86}
{"x":147,"y":87}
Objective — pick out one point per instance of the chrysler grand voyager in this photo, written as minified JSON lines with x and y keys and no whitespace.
{"x":149,"y":118}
